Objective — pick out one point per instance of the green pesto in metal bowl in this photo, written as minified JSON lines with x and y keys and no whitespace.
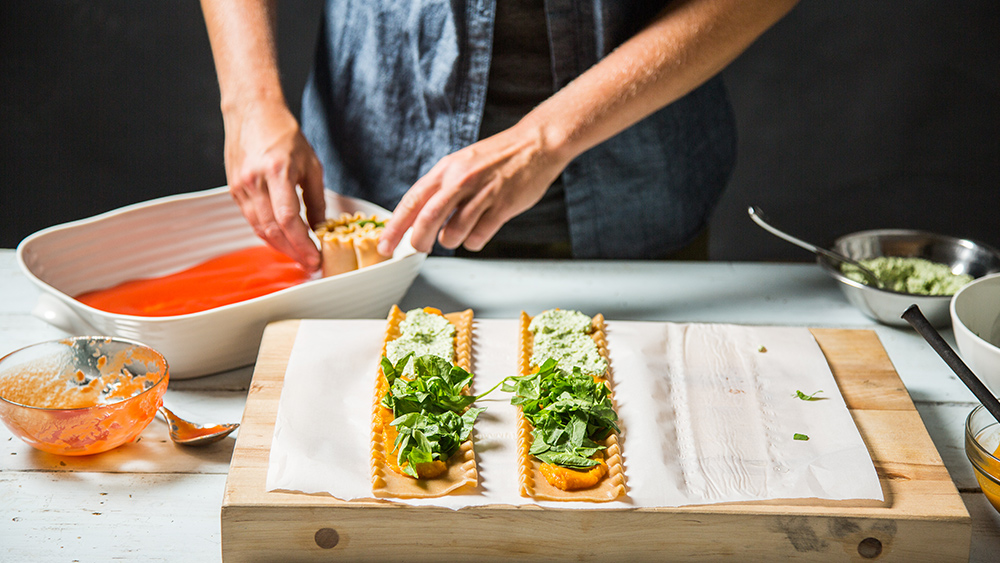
{"x":911,"y":275}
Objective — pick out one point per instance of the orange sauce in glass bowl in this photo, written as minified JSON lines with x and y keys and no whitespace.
{"x":229,"y":278}
{"x":64,"y":402}
{"x":982,"y":447}
{"x":990,"y":487}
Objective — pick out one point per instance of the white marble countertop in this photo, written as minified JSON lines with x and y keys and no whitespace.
{"x":154,"y":501}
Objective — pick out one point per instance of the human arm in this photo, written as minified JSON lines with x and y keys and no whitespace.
{"x":266,"y":154}
{"x":468,"y":195}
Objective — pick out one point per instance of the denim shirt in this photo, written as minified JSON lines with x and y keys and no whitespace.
{"x":397,"y":85}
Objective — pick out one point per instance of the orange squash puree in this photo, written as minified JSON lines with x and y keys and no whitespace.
{"x":990,"y":489}
{"x":572,"y":479}
{"x":568,"y":479}
{"x":229,"y":278}
{"x":40,"y":387}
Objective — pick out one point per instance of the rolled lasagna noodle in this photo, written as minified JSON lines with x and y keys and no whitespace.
{"x":349,"y":242}
{"x":533,"y":483}
{"x":461,"y":468}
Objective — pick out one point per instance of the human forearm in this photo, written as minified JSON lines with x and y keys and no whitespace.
{"x":468,"y":195}
{"x":688,"y":42}
{"x":268,"y":159}
{"x":242,"y":35}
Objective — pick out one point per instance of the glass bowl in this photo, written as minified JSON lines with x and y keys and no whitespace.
{"x":82,"y":395}
{"x":982,"y":437}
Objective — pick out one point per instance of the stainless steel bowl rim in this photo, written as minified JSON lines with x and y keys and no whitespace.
{"x":834,"y":271}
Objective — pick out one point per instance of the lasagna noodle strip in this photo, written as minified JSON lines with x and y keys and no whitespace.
{"x":461,"y":470}
{"x":532,"y":482}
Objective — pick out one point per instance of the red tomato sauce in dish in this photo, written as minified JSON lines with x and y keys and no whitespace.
{"x":229,"y":278}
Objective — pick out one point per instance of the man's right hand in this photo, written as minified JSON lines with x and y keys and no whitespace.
{"x":267,"y":157}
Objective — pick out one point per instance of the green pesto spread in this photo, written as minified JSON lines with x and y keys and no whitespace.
{"x":560,"y":321}
{"x":422,"y":333}
{"x":564,"y":336}
{"x":910,"y":275}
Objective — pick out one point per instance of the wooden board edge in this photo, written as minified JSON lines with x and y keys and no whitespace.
{"x":836,"y":345}
{"x":340,"y":533}
{"x":880,"y":404}
{"x":265,"y":385}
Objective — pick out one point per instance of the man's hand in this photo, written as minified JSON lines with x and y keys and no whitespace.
{"x":267,"y":157}
{"x":469,"y":194}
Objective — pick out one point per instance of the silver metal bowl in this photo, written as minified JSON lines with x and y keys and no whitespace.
{"x":962,"y":255}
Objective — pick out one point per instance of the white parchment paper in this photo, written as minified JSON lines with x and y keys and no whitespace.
{"x":707,"y":416}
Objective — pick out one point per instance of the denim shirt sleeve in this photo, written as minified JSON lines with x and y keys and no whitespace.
{"x":397,"y":85}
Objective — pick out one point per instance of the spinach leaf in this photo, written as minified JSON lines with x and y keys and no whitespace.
{"x":799,"y":394}
{"x":425,"y":437}
{"x":432,"y":416}
{"x":570,"y":413}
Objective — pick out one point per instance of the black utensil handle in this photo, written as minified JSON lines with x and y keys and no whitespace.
{"x":919,"y":322}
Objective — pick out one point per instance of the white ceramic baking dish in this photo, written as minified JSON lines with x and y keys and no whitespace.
{"x":170,"y":234}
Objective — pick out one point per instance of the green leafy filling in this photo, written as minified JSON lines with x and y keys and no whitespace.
{"x":570,"y":413}
{"x":432,"y":416}
{"x":805,"y":397}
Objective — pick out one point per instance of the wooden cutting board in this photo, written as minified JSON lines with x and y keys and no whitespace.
{"x":922,"y":518}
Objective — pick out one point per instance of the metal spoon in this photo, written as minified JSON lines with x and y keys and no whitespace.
{"x":190,"y":434}
{"x":919,"y":322}
{"x":758,"y":217}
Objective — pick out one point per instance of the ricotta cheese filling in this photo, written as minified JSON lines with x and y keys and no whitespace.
{"x":422,"y":334}
{"x":564,"y":336}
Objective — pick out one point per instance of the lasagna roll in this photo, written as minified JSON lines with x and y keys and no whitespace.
{"x":349,"y":242}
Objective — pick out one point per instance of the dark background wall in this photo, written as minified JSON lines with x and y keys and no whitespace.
{"x":852,"y":114}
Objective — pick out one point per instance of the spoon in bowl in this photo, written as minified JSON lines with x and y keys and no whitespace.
{"x":89,"y":356}
{"x":758,"y":217}
{"x":190,"y":434}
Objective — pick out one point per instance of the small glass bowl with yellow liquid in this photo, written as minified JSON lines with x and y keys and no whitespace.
{"x":982,"y":445}
{"x":82,"y":395}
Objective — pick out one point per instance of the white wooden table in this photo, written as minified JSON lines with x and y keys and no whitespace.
{"x":154,"y":501}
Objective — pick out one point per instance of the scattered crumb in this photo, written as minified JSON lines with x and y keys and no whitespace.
{"x":762,"y":349}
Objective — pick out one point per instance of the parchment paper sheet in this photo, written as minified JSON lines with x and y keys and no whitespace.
{"x":706,"y":416}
